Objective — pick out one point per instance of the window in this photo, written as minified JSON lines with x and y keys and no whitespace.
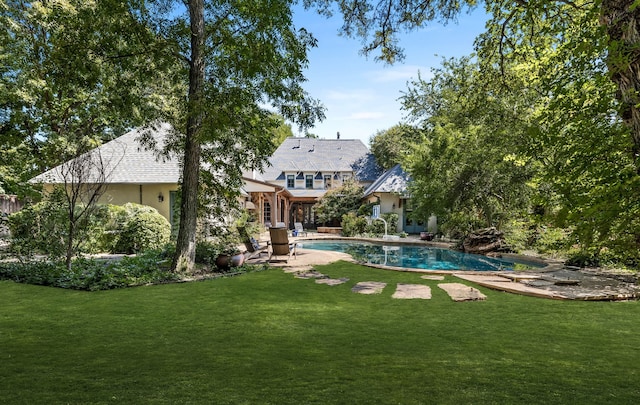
{"x":345,"y":177}
{"x":308,"y":181}
{"x":267,"y":212}
{"x":327,"y":181}
{"x":291,"y":181}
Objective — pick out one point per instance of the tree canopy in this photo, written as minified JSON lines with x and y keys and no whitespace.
{"x":239,"y":57}
{"x":64,"y":83}
{"x":77,"y":73}
{"x":391,"y":146}
{"x":538,"y":117}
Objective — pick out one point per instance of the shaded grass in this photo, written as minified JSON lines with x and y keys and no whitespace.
{"x":270,"y":338}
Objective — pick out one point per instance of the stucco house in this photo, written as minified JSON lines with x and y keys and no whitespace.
{"x":300,"y":171}
{"x":390,"y":191}
{"x":132,"y":172}
{"x":304,"y":169}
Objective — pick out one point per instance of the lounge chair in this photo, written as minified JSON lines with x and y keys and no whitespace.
{"x":251,"y":244}
{"x":254,"y":249}
{"x":280,"y":245}
{"x":299,"y":229}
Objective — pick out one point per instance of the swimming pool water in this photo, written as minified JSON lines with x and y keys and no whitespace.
{"x":415,"y":257}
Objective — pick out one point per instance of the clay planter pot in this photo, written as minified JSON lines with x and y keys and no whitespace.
{"x":225,"y":261}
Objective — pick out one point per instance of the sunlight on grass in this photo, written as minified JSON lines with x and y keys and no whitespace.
{"x":270,"y":338}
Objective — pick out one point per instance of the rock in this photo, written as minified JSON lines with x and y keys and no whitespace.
{"x":484,"y":241}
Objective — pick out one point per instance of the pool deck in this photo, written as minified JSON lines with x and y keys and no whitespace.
{"x":551,"y":282}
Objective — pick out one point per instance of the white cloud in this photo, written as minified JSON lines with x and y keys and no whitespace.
{"x":366,"y":115}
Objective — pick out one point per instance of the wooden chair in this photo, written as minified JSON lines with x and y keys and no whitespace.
{"x":280,"y":245}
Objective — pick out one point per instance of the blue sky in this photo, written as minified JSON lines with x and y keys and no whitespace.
{"x":360,"y":95}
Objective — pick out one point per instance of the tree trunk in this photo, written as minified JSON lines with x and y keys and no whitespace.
{"x":622,"y":22}
{"x":186,"y":243}
{"x":70,"y":238}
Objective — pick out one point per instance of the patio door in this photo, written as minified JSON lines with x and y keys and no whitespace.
{"x":411,"y":225}
{"x":303,"y":212}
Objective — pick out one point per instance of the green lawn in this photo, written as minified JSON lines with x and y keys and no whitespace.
{"x":267,"y":337}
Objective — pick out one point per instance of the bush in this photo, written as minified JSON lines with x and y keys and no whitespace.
{"x":43,"y":228}
{"x":353,"y":225}
{"x":39,"y":228}
{"x":458,"y":224}
{"x":206,"y":252}
{"x":377,"y":227}
{"x":91,"y":275}
{"x":145,"y":229}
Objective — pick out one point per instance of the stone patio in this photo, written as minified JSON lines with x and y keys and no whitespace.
{"x":552,"y":282}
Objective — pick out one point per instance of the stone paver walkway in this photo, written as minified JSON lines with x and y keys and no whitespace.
{"x":369,"y":287}
{"x":460,"y":292}
{"x":410,"y":291}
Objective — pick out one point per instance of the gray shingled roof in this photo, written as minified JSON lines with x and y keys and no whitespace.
{"x":394,"y":180}
{"x":322,"y":155}
{"x":127,"y":161}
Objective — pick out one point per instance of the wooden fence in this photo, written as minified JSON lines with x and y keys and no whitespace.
{"x":8,"y":205}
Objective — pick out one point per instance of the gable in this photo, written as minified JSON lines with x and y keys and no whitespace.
{"x":394,"y":180}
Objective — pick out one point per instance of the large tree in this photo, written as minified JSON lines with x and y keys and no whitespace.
{"x":512,"y":26}
{"x":79,"y":72}
{"x":239,"y":58}
{"x":391,"y":146}
{"x":65,"y":84}
{"x":469,"y":168}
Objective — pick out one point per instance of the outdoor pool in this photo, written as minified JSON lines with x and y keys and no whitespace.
{"x":416,"y":257}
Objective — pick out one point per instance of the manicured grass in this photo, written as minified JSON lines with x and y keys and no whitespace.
{"x":270,"y":338}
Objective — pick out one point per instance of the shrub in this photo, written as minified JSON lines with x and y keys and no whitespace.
{"x":377,"y":227}
{"x":39,"y":228}
{"x":91,"y":275}
{"x":42,"y":228}
{"x":459,"y":224}
{"x":206,"y":252}
{"x":353,"y":224}
{"x":145,"y":229}
{"x":113,"y":220}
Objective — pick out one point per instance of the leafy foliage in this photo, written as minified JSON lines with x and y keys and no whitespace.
{"x":39,"y":228}
{"x":42,"y":228}
{"x":469,"y":169}
{"x":357,"y":225}
{"x":74,"y":73}
{"x":391,"y":146}
{"x":91,"y":275}
{"x":143,"y":230}
{"x":339,"y":201}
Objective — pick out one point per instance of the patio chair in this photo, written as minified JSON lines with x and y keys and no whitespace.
{"x":280,"y":245}
{"x":251,"y":244}
{"x":299,"y":229}
{"x":254,"y":248}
